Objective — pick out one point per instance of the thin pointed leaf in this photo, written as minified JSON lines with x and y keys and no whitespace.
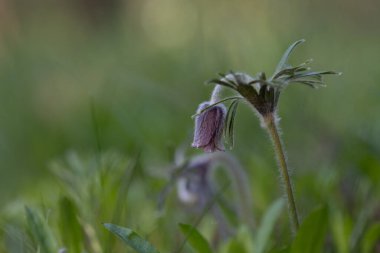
{"x":212,"y":105}
{"x":262,"y":76}
{"x":40,"y":232}
{"x":232,"y":123}
{"x":227,"y":119}
{"x":315,"y":74}
{"x":291,"y":71}
{"x":226,"y":80}
{"x":195,"y":238}
{"x":131,"y":238}
{"x":223,"y":83}
{"x":316,"y":82}
{"x":309,"y":83}
{"x":282,"y":63}
{"x":301,"y":69}
{"x":341,"y":229}
{"x":288,"y":71}
{"x":311,"y":235}
{"x":308,"y":61}
{"x":256,"y":81}
{"x":278,"y":83}
{"x":70,"y":228}
{"x":267,"y":225}
{"x":237,"y":78}
{"x":231,"y":82}
{"x":370,"y":238}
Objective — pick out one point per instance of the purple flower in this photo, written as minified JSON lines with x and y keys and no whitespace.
{"x":209,"y":127}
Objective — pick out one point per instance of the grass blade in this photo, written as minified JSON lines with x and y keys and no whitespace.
{"x":311,"y":235}
{"x":370,"y":238}
{"x":267,"y":225}
{"x":70,"y":228}
{"x":195,"y":238}
{"x":40,"y":232}
{"x":131,"y":238}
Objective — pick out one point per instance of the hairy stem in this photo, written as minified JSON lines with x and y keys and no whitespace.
{"x":273,"y":131}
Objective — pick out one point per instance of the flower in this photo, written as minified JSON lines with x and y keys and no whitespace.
{"x":209,"y":125}
{"x":193,"y":186}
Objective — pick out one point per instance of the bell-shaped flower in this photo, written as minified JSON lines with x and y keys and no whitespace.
{"x":209,"y":125}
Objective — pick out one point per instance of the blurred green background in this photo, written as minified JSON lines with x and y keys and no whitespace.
{"x":127,"y":75}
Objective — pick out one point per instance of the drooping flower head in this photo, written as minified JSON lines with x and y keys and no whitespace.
{"x":260,"y":91}
{"x":209,"y":125}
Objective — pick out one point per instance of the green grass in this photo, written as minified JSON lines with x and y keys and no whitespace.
{"x":106,"y":188}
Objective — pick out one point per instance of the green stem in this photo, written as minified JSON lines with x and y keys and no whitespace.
{"x":273,"y":131}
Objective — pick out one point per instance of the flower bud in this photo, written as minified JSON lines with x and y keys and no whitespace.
{"x":209,"y":127}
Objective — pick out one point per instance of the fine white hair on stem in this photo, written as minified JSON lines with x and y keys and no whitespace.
{"x":273,"y":130}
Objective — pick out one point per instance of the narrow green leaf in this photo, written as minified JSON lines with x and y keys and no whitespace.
{"x":232,"y":123}
{"x":131,"y":238}
{"x":341,"y":226}
{"x":257,"y":81}
{"x":311,"y":81}
{"x":223,"y":83}
{"x":226,"y":122}
{"x":311,"y":235}
{"x":267,"y":225}
{"x":286,"y":71}
{"x":40,"y":232}
{"x":314,"y":74}
{"x":195,"y":238}
{"x":370,"y":238}
{"x":130,"y":172}
{"x":70,"y":228}
{"x":308,"y":83}
{"x":229,"y":123}
{"x":282,"y":63}
{"x":261,"y":76}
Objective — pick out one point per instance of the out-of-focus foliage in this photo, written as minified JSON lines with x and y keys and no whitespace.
{"x":127,"y":75}
{"x":131,"y":238}
{"x":92,"y":189}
